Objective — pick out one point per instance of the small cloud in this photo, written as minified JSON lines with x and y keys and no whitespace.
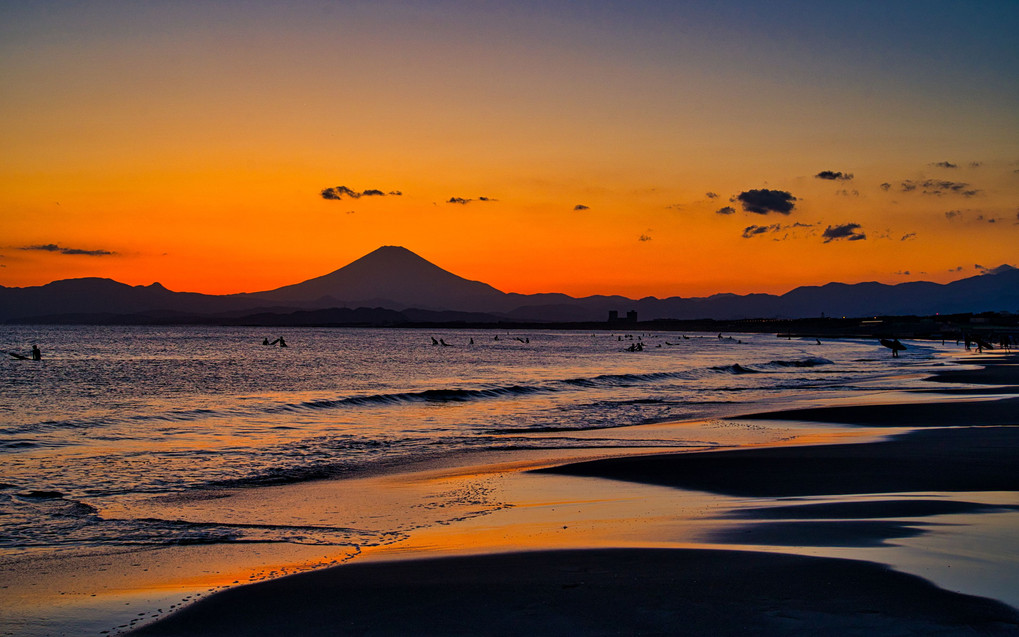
{"x":952,"y":214}
{"x":976,"y":164}
{"x":908,"y":236}
{"x":644,"y":237}
{"x":753,"y":231}
{"x":711,"y":195}
{"x":957,"y":269}
{"x":339,"y":192}
{"x":52,"y":247}
{"x":581,"y":206}
{"x":463,"y":201}
{"x":847,"y":231}
{"x":833,"y":175}
{"x":886,"y":186}
{"x":944,"y":164}
{"x":988,"y":219}
{"x":728,"y":210}
{"x":902,"y":273}
{"x":938,"y":187}
{"x":848,"y":193}
{"x":763,"y":201}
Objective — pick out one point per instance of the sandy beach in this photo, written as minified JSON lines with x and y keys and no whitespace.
{"x":878,"y":516}
{"x":617,"y":581}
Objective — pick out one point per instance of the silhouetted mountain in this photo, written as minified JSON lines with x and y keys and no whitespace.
{"x":392,"y":277}
{"x":411,"y":289}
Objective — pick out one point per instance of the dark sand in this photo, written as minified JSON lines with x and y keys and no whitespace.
{"x":596,"y":592}
{"x":692,"y":591}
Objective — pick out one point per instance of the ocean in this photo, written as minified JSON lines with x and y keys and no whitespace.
{"x":112,"y":415}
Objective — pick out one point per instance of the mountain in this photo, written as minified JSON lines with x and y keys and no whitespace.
{"x":392,"y":277}
{"x":400,"y":286}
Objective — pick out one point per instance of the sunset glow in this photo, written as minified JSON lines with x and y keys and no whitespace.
{"x":648,"y":148}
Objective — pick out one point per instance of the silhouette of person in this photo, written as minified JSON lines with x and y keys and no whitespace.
{"x":36,"y":354}
{"x":265,"y":341}
{"x":282,"y":342}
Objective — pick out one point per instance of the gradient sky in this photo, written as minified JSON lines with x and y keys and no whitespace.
{"x":637,"y":148}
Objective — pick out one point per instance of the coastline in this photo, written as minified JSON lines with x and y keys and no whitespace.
{"x":478,"y":520}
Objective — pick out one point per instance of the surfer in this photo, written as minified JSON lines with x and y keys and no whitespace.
{"x":434,"y":342}
{"x":36,"y":353}
{"x":894,"y":345}
{"x":282,"y":342}
{"x":265,"y":341}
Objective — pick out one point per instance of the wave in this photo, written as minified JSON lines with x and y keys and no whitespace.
{"x":436,"y":395}
{"x":813,"y":361}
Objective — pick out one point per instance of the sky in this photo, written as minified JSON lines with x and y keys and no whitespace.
{"x":636,"y":148}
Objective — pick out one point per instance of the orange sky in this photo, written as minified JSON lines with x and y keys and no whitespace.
{"x":189,"y":144}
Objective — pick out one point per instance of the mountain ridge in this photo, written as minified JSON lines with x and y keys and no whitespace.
{"x":395,"y":278}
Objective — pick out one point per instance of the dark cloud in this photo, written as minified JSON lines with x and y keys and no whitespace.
{"x":728,"y":210}
{"x":939,"y":187}
{"x":581,"y":206}
{"x":52,"y":247}
{"x":886,"y":186}
{"x":952,"y":214}
{"x":711,"y":195}
{"x":644,"y":237}
{"x":908,"y":236}
{"x":903,"y":273}
{"x":463,"y":201}
{"x":764,"y":201}
{"x":847,"y":231}
{"x":944,"y":164}
{"x":753,"y":231}
{"x":339,"y":192}
{"x":988,"y":219}
{"x":834,"y":175}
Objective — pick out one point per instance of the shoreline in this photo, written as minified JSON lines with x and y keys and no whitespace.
{"x":495,"y":505}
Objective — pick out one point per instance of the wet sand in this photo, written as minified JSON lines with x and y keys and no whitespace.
{"x":880,"y":490}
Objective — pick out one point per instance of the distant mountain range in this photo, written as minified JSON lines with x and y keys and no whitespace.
{"x":392,"y":285}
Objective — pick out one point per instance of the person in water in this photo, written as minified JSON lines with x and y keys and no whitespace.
{"x":265,"y":341}
{"x":282,"y":342}
{"x":36,"y":353}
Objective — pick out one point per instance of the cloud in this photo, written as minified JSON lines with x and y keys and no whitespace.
{"x":944,"y":164}
{"x":581,"y":206}
{"x":952,"y":214}
{"x":848,"y":193}
{"x":833,"y":175}
{"x":903,"y":273}
{"x":644,"y":237}
{"x":957,"y":269}
{"x":339,"y":192}
{"x":711,"y":195}
{"x":463,"y":201}
{"x":908,"y":236}
{"x":52,"y":247}
{"x":764,"y":201}
{"x":976,"y":164}
{"x":939,"y":187}
{"x":886,"y":186}
{"x":728,"y":210}
{"x":847,"y":231}
{"x":753,"y":231}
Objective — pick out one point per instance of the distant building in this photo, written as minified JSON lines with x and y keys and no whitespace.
{"x":631,"y":317}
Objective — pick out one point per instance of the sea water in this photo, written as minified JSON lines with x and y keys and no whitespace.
{"x":113,"y":413}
